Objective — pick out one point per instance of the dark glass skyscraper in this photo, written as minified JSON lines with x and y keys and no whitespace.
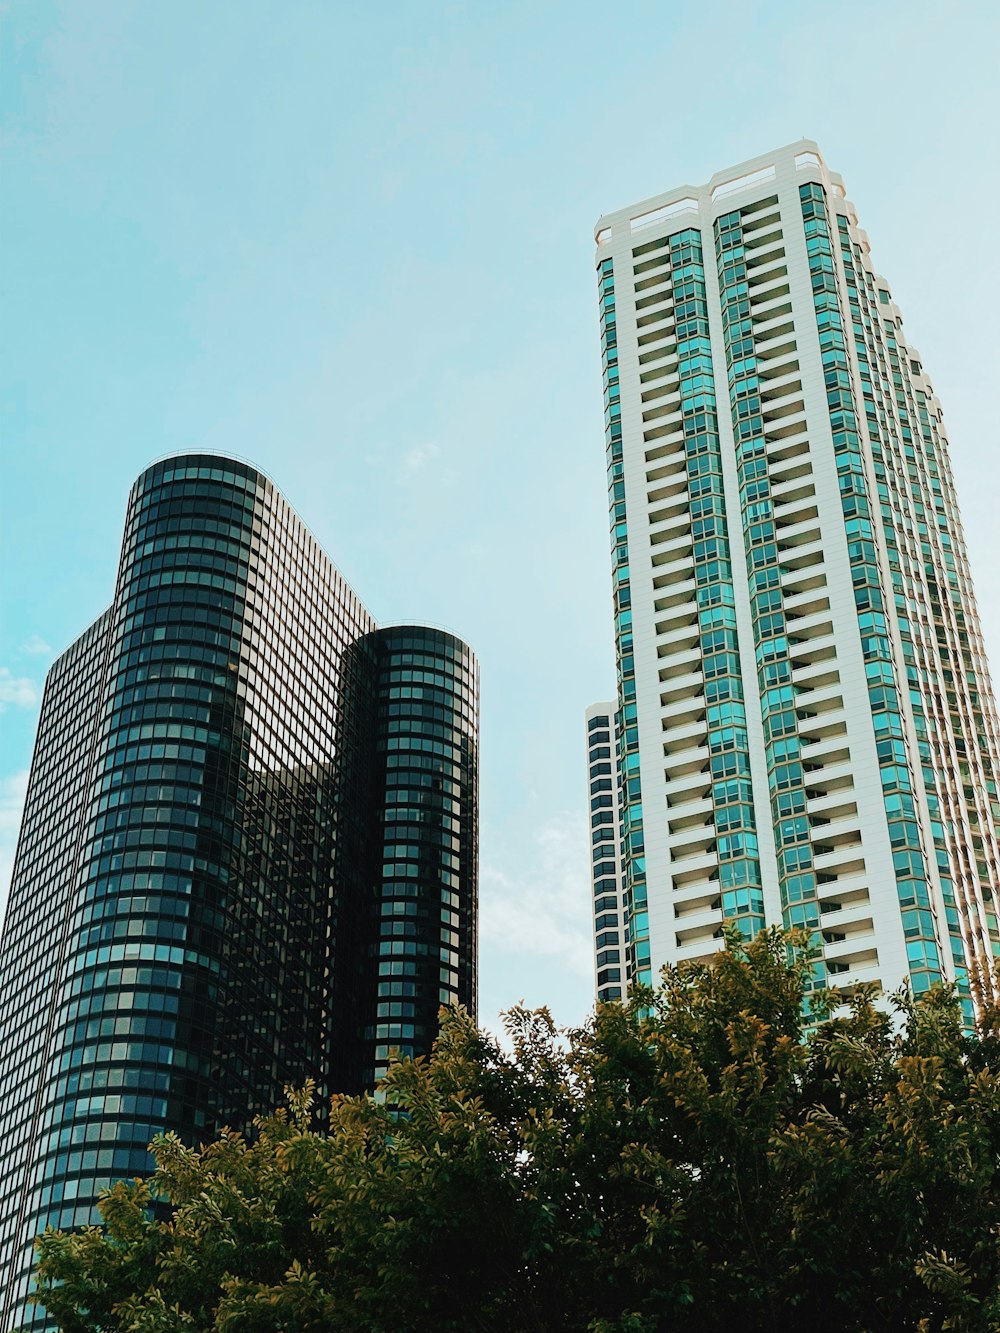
{"x":248,"y":856}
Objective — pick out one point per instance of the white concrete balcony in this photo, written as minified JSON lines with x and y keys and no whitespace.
{"x":763,"y":255}
{"x":806,"y":554}
{"x":811,"y":580}
{"x":670,"y":543}
{"x":819,"y":672}
{"x":820,"y":698}
{"x":813,"y":665}
{"x":826,"y":752}
{"x":696,"y":896}
{"x":705,"y":936}
{"x":666,"y":488}
{"x":836,"y":851}
{"x":845,"y":827}
{"x":795,"y":494}
{"x":803,"y":532}
{"x":696,"y":821}
{"x":791,"y":471}
{"x":666,"y":428}
{"x":663,"y":310}
{"x":806,"y":651}
{"x":841,"y":861}
{"x":696,"y":806}
{"x":676,"y":633}
{"x":778,"y":349}
{"x":680,"y":711}
{"x":757,"y":224}
{"x":667,"y":404}
{"x":814,"y":644}
{"x":849,"y":895}
{"x":806,"y":601}
{"x":702,"y":919}
{"x":671,"y":569}
{"x":657,"y":347}
{"x":774,"y":301}
{"x":692,"y":840}
{"x":672,"y":515}
{"x":788,"y":437}
{"x":857,"y":930}
{"x":667,"y":464}
{"x":778,"y":382}
{"x":698,"y":951}
{"x":659,"y":403}
{"x":683,"y":736}
{"x":855,"y":976}
{"x":681,"y":687}
{"x":768,"y":287}
{"x":678,"y":654}
{"x":829,"y":774}
{"x":688,"y":863}
{"x":833,"y":806}
{"x":676,"y":594}
{"x":686,"y":763}
{"x":766,"y":331}
{"x":653,"y":286}
{"x":672,"y":665}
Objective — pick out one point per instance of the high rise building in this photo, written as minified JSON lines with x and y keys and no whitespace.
{"x":248,"y":854}
{"x":610,"y":916}
{"x":807,"y":730}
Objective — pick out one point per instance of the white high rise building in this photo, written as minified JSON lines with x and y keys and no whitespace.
{"x":807,"y":731}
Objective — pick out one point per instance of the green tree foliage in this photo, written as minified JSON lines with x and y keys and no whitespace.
{"x":703,"y":1158}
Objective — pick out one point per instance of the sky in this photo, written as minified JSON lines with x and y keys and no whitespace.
{"x":353,"y":244}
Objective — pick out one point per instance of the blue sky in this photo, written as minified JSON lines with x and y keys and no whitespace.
{"x":353,"y":244}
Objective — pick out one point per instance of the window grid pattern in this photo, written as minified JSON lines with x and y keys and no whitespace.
{"x":733,"y":820}
{"x":424,"y":939}
{"x":836,"y":609}
{"x":36,"y":916}
{"x":610,"y":921}
{"x":817,"y":840}
{"x":949,"y":696}
{"x":775,"y":642}
{"x":909,"y":864}
{"x":622,"y":791}
{"x":713,"y":853}
{"x":218,"y":936}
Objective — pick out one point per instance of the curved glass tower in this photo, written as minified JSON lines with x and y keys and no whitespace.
{"x":248,"y":856}
{"x":426,"y":745}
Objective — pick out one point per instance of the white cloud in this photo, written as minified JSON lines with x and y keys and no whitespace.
{"x":17,"y":690}
{"x":12,"y":792}
{"x":542,"y":906}
{"x":35,"y":646}
{"x":417,"y":459}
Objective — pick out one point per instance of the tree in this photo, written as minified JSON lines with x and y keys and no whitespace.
{"x":711,"y":1155}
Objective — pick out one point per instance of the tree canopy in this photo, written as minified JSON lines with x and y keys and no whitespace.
{"x":711,"y":1155}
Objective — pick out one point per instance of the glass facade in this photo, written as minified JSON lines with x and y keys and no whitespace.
{"x":612,"y":923}
{"x":209,"y":798}
{"x":624,"y":795}
{"x":774,"y":644}
{"x":424,"y":941}
{"x":37,"y":919}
